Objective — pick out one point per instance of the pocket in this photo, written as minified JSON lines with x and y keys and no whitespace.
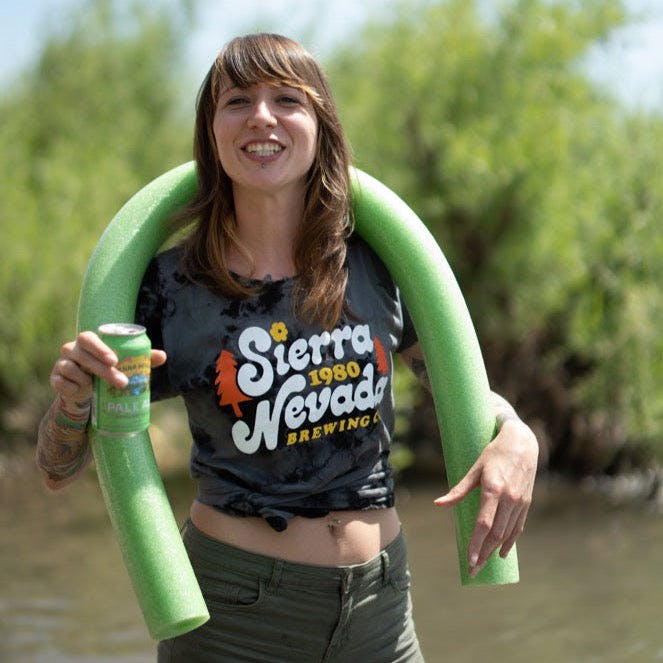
{"x":223,"y":584}
{"x":239,"y":592}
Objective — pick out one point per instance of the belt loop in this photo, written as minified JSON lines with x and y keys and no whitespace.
{"x":384,"y":555}
{"x":277,"y":570}
{"x":346,"y":579}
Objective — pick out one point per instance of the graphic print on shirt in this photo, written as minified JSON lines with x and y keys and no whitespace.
{"x":303,"y":391}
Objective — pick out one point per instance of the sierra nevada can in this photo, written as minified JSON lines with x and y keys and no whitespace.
{"x":124,"y":410}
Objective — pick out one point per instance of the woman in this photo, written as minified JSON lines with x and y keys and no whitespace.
{"x":279,"y":326}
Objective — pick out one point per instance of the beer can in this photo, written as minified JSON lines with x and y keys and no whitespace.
{"x":124,"y":410}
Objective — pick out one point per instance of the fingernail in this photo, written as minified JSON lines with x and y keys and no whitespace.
{"x":474,"y":558}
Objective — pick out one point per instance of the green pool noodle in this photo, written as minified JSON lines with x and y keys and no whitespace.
{"x":135,"y":497}
{"x":454,"y":362}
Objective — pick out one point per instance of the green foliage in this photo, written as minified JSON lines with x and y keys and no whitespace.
{"x":545,"y":194}
{"x":93,"y":121}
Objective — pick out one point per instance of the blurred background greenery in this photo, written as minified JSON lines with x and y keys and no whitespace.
{"x":546,"y":196}
{"x":543,"y":188}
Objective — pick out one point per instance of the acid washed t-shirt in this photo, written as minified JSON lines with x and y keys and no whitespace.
{"x":286,"y":419}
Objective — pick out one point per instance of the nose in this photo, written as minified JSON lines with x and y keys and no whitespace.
{"x":262,"y":114}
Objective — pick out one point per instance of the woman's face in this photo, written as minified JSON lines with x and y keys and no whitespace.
{"x":265,"y":136}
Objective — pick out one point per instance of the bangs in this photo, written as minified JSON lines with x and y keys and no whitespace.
{"x":265,"y":58}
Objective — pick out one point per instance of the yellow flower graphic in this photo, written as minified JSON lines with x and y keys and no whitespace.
{"x":279,"y":332}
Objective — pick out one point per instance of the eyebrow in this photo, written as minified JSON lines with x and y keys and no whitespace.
{"x":225,"y":90}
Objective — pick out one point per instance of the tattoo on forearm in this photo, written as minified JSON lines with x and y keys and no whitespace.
{"x":503,"y":410}
{"x":418,"y":367}
{"x":62,"y":445}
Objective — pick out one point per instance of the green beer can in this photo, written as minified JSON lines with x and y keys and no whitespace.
{"x":124,"y":410}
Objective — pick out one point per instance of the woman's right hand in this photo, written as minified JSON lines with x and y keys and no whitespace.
{"x":83,"y":358}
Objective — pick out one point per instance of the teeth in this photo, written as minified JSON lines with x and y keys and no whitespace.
{"x":263,"y":149}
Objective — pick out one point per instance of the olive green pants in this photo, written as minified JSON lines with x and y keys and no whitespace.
{"x":266,"y":610}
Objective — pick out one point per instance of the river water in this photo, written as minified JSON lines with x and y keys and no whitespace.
{"x":591,"y":586}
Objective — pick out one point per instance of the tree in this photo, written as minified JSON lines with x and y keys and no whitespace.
{"x":88,"y":125}
{"x":381,"y":357}
{"x":544,"y":194}
{"x":227,"y":388}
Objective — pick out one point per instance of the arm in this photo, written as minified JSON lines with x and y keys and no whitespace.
{"x":63,"y":451}
{"x":505,"y":471}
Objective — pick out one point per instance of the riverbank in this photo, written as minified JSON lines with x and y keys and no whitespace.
{"x":589,"y":562}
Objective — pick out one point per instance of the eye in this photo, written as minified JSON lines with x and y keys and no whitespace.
{"x":290,"y":96}
{"x":237,"y":100}
{"x":288,"y":99}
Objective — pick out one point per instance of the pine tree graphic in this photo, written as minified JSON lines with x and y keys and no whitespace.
{"x":381,"y":355}
{"x":226,"y":381}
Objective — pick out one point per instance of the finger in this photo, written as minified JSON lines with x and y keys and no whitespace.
{"x":515,"y":533}
{"x":462,"y":489}
{"x":158,"y":358}
{"x":92,"y":344}
{"x":512,"y":525}
{"x":116,"y":378}
{"x":482,"y":526}
{"x":94,"y":358}
{"x":72,"y":383}
{"x":495,"y":536}
{"x":70,"y":373}
{"x":94,"y":367}
{"x":67,"y":388}
{"x":89,"y":347}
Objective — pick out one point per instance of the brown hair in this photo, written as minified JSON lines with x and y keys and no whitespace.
{"x":320,"y":245}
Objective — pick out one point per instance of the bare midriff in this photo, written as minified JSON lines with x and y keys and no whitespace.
{"x":341,"y":538}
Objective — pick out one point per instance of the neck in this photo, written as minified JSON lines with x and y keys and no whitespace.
{"x":267,"y":225}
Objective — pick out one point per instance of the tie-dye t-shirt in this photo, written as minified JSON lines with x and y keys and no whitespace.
{"x":286,"y":419}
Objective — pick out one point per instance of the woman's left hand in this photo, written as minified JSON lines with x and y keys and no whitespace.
{"x":505,"y":471}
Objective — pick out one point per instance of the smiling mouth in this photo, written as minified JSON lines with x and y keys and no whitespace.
{"x":263,"y":150}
